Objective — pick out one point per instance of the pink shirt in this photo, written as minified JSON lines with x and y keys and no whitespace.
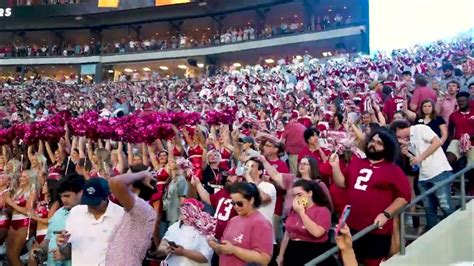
{"x":422,"y":93}
{"x":251,"y":232}
{"x":446,"y":107}
{"x":132,"y":236}
{"x":296,"y":229}
{"x":288,"y":181}
{"x":294,"y":138}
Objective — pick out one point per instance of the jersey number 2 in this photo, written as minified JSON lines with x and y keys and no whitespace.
{"x":364,"y":177}
{"x":226,"y":205}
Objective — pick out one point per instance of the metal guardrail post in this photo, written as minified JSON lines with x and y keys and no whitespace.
{"x":402,"y":213}
{"x":402,"y":233}
{"x":463,"y":193}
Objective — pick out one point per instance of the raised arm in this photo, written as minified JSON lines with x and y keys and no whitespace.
{"x":272,"y":172}
{"x":146,"y":161}
{"x":153,"y":159}
{"x":120,"y":187}
{"x":74,"y":144}
{"x":90,"y":149}
{"x":225,"y":131}
{"x":80,"y":147}
{"x":130,"y":153}
{"x":67,"y":139}
{"x":170,"y":146}
{"x":50,"y":152}
{"x":338,"y":177}
{"x":237,"y":151}
{"x":203,"y":194}
{"x":31,"y":153}
{"x":108,"y":146}
{"x":121,"y":158}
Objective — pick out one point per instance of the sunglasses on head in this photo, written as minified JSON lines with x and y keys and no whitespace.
{"x":239,"y":204}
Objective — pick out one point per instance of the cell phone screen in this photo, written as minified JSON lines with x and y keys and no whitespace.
{"x":343,"y":218}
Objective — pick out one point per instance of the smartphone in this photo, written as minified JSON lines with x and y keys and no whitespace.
{"x":343,"y":218}
{"x":216,"y":240}
{"x":172,"y":244}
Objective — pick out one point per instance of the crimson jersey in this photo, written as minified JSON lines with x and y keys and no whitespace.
{"x":463,"y":123}
{"x":222,"y":203}
{"x":306,"y":121}
{"x":391,"y":105}
{"x":371,"y":188}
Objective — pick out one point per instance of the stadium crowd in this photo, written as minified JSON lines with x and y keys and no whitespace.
{"x":178,"y":41}
{"x":265,"y":187}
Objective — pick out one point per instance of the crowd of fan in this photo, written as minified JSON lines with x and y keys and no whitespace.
{"x":308,"y":139}
{"x":178,"y":41}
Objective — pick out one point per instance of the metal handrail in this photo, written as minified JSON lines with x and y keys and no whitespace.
{"x":401,"y":212}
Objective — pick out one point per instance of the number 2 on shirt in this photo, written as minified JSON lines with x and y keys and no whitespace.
{"x":226,"y":205}
{"x":364,"y":177}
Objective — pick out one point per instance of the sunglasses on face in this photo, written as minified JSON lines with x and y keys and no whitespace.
{"x":239,"y":204}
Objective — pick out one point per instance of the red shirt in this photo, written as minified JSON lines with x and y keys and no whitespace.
{"x":281,"y":167}
{"x":391,"y":105}
{"x":315,"y":154}
{"x":294,"y":137}
{"x":463,"y":123}
{"x":224,"y":210}
{"x":371,"y":188}
{"x":252,"y":232}
{"x":296,"y":229}
{"x":305,"y":121}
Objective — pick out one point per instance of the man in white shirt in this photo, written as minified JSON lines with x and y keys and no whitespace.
{"x":254,"y":175}
{"x":89,"y":226}
{"x":434,"y":166}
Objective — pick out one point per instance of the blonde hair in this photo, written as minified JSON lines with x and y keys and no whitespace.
{"x":32,"y":180}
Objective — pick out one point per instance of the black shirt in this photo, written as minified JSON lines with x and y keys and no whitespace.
{"x":212,"y":177}
{"x":433,"y":124}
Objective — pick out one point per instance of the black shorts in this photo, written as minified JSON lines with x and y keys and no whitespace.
{"x":372,"y":246}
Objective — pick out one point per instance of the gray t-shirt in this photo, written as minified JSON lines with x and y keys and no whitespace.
{"x":176,"y":189}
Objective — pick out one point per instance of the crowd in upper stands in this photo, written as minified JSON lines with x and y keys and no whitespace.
{"x":178,"y":41}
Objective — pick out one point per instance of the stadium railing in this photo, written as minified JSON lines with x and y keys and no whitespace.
{"x":403,"y":212}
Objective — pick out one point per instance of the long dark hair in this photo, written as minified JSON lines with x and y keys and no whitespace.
{"x":391,"y":146}
{"x":53,"y":185}
{"x":433,"y":114}
{"x":248,"y":191}
{"x":319,"y":196}
{"x":313,"y":168}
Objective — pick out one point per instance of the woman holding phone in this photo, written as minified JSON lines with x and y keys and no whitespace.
{"x":248,"y":237}
{"x":307,"y":226}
